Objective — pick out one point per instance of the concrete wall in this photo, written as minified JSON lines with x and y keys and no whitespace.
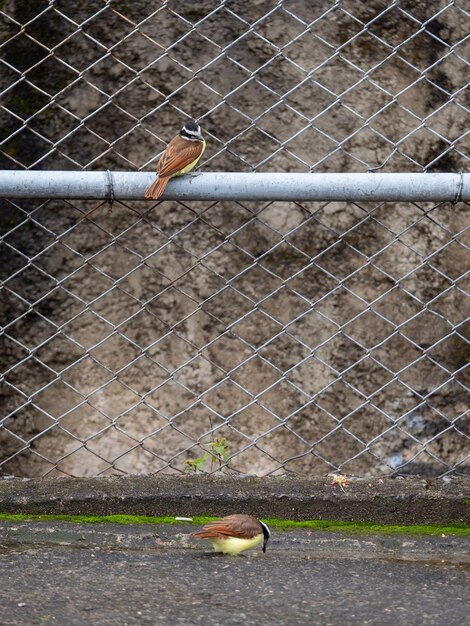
{"x":128,"y":134}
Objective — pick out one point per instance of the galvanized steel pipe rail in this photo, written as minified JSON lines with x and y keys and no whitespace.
{"x":420,"y":187}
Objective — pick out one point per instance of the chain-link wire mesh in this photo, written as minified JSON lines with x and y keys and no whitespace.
{"x":256,"y":337}
{"x":376,"y":85}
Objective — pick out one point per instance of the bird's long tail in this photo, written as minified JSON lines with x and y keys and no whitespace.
{"x":156,"y":188}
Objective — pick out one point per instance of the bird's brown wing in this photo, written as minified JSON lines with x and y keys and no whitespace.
{"x":242,"y":526}
{"x":177,"y":155}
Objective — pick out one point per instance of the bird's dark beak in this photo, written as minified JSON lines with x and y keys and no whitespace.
{"x":264,"y":545}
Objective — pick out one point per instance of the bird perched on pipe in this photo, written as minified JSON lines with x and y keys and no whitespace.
{"x":235,"y":533}
{"x":180,"y":157}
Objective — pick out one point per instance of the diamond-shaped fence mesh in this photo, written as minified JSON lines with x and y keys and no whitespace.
{"x":241,"y":336}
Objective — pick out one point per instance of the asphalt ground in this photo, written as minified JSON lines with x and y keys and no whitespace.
{"x":106,"y":574}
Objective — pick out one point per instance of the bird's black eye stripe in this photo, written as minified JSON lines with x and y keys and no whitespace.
{"x":266,"y":531}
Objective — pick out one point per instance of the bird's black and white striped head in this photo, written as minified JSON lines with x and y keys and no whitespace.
{"x":266,"y":533}
{"x":191,"y":131}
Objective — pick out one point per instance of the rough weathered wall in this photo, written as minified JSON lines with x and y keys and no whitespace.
{"x":113,"y":100}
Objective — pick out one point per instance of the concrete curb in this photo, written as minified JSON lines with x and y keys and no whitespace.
{"x":392,"y":501}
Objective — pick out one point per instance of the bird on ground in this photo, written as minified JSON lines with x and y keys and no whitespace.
{"x":235,"y":533}
{"x":180,"y":157}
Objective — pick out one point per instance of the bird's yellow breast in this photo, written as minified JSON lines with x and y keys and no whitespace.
{"x":235,"y":545}
{"x":193,"y":164}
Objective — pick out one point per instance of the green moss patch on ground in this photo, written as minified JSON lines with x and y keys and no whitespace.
{"x":371,"y":527}
{"x":332,"y":526}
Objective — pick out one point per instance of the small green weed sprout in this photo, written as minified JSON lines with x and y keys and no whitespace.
{"x":217,"y":453}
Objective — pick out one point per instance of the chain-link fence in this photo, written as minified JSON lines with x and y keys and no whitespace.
{"x":254,"y":337}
